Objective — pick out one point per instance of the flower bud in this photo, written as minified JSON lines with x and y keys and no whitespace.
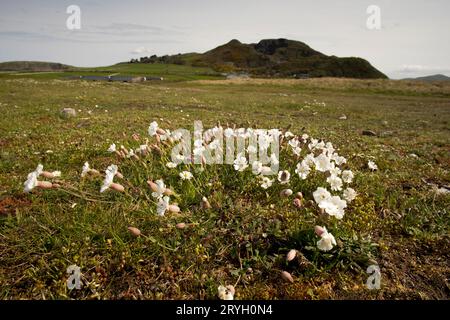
{"x":134,"y":231}
{"x":117,"y":187}
{"x":319,"y":230}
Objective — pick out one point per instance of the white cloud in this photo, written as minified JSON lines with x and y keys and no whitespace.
{"x":141,"y":50}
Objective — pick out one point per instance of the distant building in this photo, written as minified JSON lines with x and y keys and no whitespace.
{"x":129,"y":79}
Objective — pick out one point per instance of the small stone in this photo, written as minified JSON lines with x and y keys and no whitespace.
{"x":68,"y":112}
{"x":343,"y":117}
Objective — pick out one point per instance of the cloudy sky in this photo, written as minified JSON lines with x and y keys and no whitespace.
{"x":413,"y":39}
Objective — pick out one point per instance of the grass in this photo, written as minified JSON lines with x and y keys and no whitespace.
{"x":171,"y":72}
{"x":398,"y":220}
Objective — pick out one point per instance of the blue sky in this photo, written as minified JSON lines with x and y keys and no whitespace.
{"x":413,"y":39}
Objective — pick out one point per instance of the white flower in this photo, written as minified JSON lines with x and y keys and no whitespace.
{"x":347,"y":176}
{"x":309,"y":160}
{"x":171,"y":165}
{"x":313,"y":144}
{"x":163,"y":205}
{"x":334,"y":206}
{"x":335,"y":170}
{"x":257,"y":167}
{"x":225,"y":293}
{"x":110,"y":172}
{"x":165,"y":136}
{"x":85,"y":169}
{"x":160,"y":189}
{"x":185,"y":175}
{"x":322,"y":163}
{"x":284,"y":176}
{"x":338,"y":159}
{"x":293,"y":143}
{"x":305,"y":137}
{"x":266,"y":182}
{"x":335,"y":183}
{"x":329,"y":149}
{"x":240,"y":164}
{"x":153,"y":127}
{"x":349,"y":194}
{"x":372,"y":166}
{"x":302,"y":170}
{"x":31,"y":182}
{"x":39,"y":170}
{"x":288,"y":134}
{"x":112,"y":148}
{"x":321,"y":194}
{"x":327,"y":241}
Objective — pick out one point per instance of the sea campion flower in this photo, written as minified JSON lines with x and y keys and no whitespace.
{"x":162,"y":206}
{"x":322,"y":163}
{"x":347,"y":176}
{"x":303,"y":170}
{"x":112,"y":148}
{"x":334,"y":206}
{"x":152,"y":128}
{"x":327,"y":240}
{"x":240,"y":164}
{"x":32,"y":182}
{"x":335,"y":183}
{"x":257,"y":167}
{"x":349,"y":194}
{"x":372,"y":166}
{"x":87,"y":170}
{"x":266,"y":182}
{"x":321,"y":194}
{"x":108,"y":182}
{"x":185,"y":175}
{"x":158,"y":187}
{"x":284,"y":176}
{"x":226,"y":293}
{"x":334,"y":171}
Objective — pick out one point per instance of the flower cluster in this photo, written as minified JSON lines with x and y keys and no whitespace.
{"x":308,"y":160}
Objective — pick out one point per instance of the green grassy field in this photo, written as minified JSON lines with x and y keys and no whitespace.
{"x":171,"y":72}
{"x":399,"y":220}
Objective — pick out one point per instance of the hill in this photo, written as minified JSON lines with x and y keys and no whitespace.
{"x":435,"y":77}
{"x":33,"y":66}
{"x":274,"y":58}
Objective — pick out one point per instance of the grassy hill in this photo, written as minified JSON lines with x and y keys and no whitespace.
{"x":435,"y":77}
{"x":34,"y":66}
{"x":275,"y":58}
